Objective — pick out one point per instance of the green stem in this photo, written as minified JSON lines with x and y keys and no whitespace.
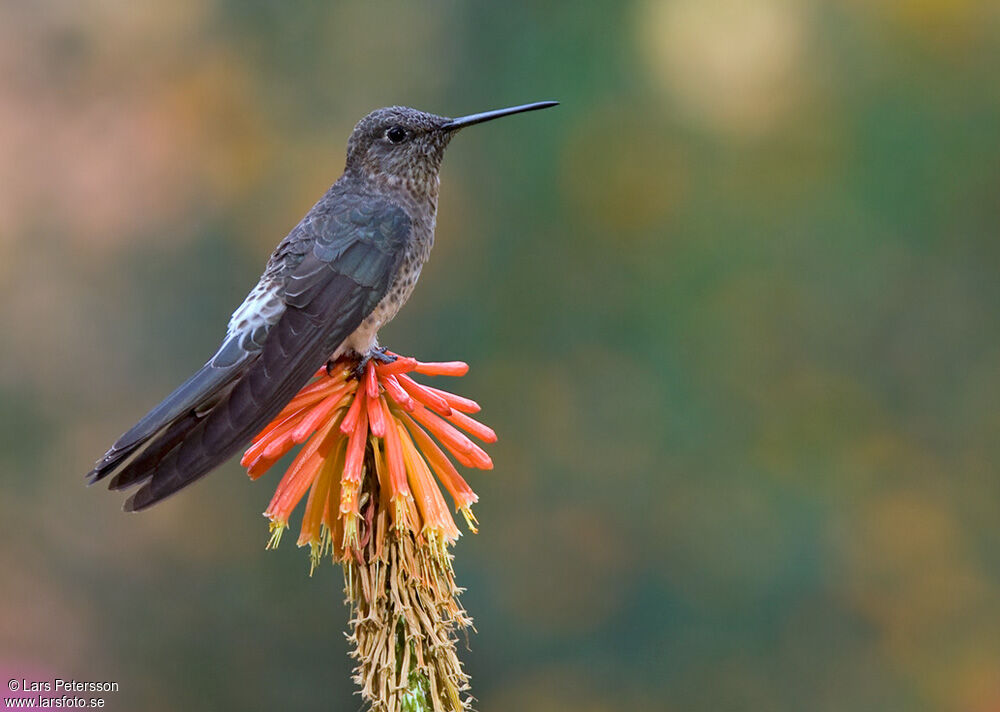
{"x":417,"y":697}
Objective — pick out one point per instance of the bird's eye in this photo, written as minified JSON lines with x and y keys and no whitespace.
{"x":396,"y":134}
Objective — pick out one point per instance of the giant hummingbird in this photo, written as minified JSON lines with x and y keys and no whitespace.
{"x":341,"y":274}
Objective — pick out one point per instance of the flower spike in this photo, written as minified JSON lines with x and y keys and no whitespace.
{"x":372,"y":471}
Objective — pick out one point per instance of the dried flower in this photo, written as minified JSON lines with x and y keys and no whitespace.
{"x":374,"y":505}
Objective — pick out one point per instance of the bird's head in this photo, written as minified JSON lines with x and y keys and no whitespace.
{"x":403,"y":147}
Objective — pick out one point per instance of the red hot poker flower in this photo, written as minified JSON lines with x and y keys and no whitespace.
{"x":380,"y":426}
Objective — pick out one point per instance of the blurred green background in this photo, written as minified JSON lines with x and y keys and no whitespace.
{"x":732,"y":309}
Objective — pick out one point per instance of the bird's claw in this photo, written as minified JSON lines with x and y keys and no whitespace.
{"x":382,"y":355}
{"x":378,"y":354}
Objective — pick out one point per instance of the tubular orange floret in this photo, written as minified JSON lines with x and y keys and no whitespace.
{"x":465,"y":405}
{"x":398,"y":486}
{"x":281,"y":440}
{"x":259,"y":466}
{"x":348,"y":504}
{"x":283,"y":419}
{"x":317,"y":415}
{"x":376,"y":417}
{"x":277,"y":431}
{"x":396,"y":392}
{"x":354,"y":459}
{"x":350,"y":497}
{"x":458,"y":444}
{"x":371,"y":380}
{"x":292,"y":487}
{"x":430,"y":504}
{"x":311,"y":395}
{"x":253,"y":454}
{"x":381,"y":472}
{"x":425,"y":396}
{"x":457,"y":487}
{"x":331,"y":515}
{"x":402,"y":364}
{"x":312,"y":519}
{"x":442,"y":368}
{"x":353,"y":412}
{"x":279,"y":446}
{"x":473,"y":426}
{"x":480,"y":459}
{"x":299,"y":476}
{"x":328,"y":371}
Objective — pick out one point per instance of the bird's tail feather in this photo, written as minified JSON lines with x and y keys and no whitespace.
{"x":138,"y":468}
{"x":204,"y":386}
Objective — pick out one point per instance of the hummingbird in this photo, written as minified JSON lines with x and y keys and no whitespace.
{"x":341,"y":274}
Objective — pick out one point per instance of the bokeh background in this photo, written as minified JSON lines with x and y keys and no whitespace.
{"x":732,"y":308}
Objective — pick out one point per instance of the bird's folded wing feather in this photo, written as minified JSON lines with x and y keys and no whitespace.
{"x":327,"y":276}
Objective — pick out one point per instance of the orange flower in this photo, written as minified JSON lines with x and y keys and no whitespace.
{"x":371,"y":465}
{"x":378,"y":427}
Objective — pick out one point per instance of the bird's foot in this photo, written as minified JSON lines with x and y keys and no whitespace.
{"x":377,"y":353}
{"x":382,"y":355}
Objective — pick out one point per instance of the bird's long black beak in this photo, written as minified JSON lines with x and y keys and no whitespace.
{"x":471,"y":119}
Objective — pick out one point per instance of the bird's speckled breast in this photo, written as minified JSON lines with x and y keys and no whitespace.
{"x":418,"y":250}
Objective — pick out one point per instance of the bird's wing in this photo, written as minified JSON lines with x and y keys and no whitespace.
{"x":343,"y":257}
